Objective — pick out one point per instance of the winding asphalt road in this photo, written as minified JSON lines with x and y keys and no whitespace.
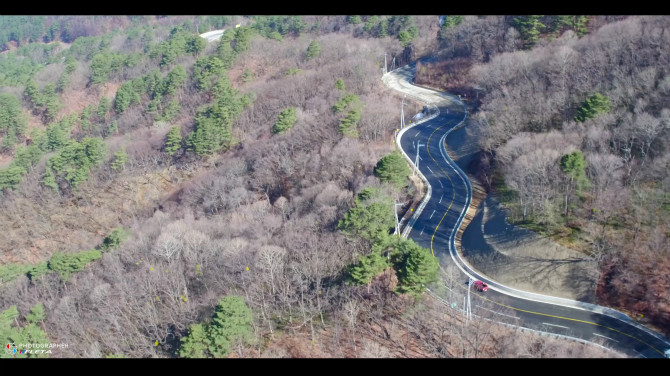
{"x":436,"y":221}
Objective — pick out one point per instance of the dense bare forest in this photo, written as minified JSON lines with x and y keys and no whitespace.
{"x":165,"y":197}
{"x":574,"y":133}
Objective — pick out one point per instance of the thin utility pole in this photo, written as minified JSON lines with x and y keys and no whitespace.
{"x":395,"y":212}
{"x":397,"y":224}
{"x":469,"y":308}
{"x":416,"y":162}
{"x":385,"y":66}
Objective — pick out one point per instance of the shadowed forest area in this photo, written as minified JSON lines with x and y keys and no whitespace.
{"x":161,"y":196}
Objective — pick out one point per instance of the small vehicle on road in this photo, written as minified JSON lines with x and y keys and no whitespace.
{"x":480,"y":286}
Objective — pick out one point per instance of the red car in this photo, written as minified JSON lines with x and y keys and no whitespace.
{"x":480,"y":286}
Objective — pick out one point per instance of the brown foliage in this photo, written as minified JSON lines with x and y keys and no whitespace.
{"x":449,"y":74}
{"x":532,"y":96}
{"x":258,"y":222}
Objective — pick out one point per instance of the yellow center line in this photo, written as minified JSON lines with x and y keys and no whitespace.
{"x":453,"y":196}
{"x":500,"y":304}
{"x":570,"y":319}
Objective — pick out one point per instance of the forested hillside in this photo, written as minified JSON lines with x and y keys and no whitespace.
{"x":573,"y":126}
{"x":166,"y":197}
{"x":579,"y":130}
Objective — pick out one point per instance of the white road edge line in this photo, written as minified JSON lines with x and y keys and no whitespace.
{"x":525,"y":294}
{"x":509,"y":291}
{"x":611,"y":339}
{"x":558,"y":326}
{"x":498,"y":313}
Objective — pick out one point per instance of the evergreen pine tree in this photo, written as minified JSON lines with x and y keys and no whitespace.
{"x":592,"y":107}
{"x":113,"y":129}
{"x":38,"y":270}
{"x":66,"y":263}
{"x":196,"y":343}
{"x":348,"y":124}
{"x":314,"y":50}
{"x":367,"y":267}
{"x":11,"y":177}
{"x":33,"y":94}
{"x":232,"y":321}
{"x":173,"y":140}
{"x":103,"y":108}
{"x":574,"y":165}
{"x":529,"y":27}
{"x":339,"y":84}
{"x":393,"y":169}
{"x":371,"y":217}
{"x":36,"y":314}
{"x":11,"y":332}
{"x":451,"y":21}
{"x":124,"y":96}
{"x":416,"y":267}
{"x":114,"y":239}
{"x":287,"y":119}
{"x":120,"y":159}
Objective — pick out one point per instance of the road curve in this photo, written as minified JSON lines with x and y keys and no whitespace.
{"x":438,"y":217}
{"x":213,"y":35}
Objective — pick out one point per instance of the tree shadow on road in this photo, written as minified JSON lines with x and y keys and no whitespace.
{"x":476,"y":250}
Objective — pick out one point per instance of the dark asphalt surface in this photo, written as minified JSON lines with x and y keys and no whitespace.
{"x":434,"y":226}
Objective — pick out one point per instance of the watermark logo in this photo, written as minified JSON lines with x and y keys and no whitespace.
{"x":33,"y":348}
{"x":10,"y":348}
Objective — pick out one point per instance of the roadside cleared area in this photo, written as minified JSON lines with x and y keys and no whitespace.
{"x":213,"y":35}
{"x":400,"y":80}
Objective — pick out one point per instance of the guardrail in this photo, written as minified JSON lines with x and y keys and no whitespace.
{"x":462,"y":264}
{"x":519,"y":293}
{"x":538,"y":332}
{"x":435,"y":112}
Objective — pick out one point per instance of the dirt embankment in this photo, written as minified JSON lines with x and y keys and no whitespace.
{"x":512,"y":255}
